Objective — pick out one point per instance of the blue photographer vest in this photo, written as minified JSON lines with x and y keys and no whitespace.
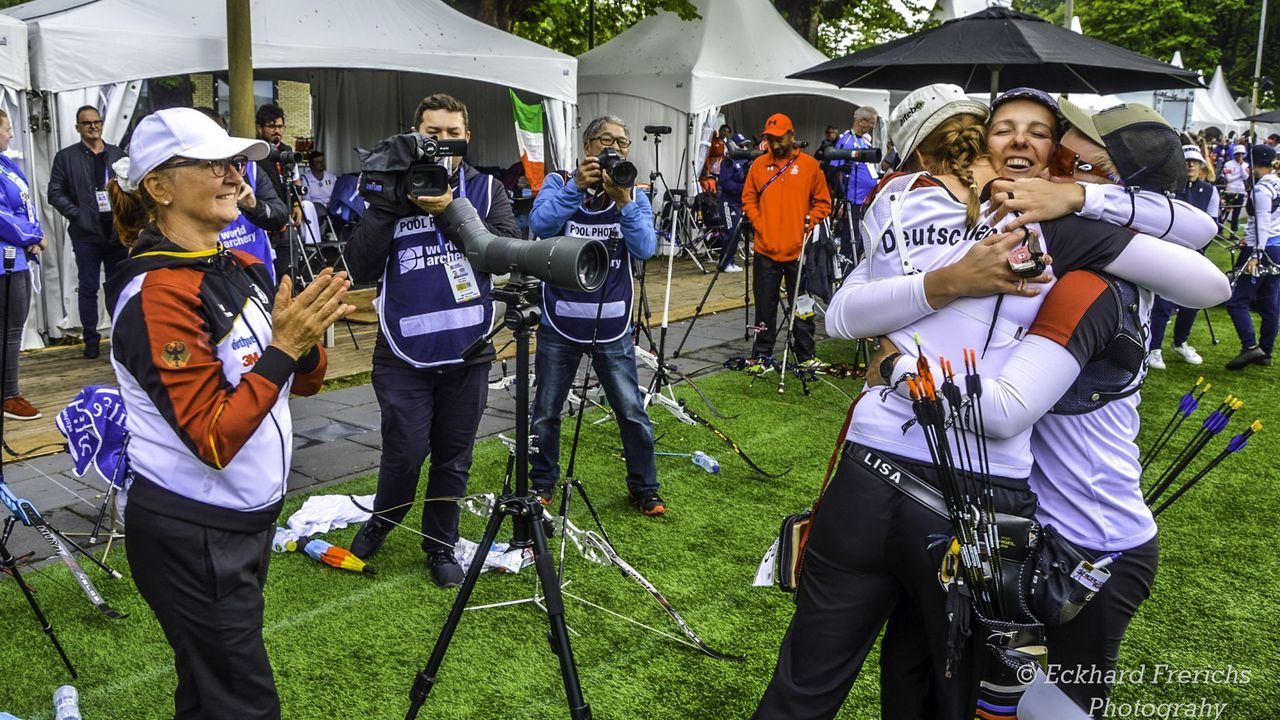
{"x":423,"y":322}
{"x":246,"y":236}
{"x":573,"y":314}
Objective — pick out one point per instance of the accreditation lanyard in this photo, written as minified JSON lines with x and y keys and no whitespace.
{"x":24,"y":192}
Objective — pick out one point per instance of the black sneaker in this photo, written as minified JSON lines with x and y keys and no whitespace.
{"x":544,"y":495}
{"x":648,"y":501}
{"x":1248,"y":356}
{"x":369,"y":540}
{"x":445,"y":570}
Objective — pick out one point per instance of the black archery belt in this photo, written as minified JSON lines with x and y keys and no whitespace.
{"x":1040,"y":567}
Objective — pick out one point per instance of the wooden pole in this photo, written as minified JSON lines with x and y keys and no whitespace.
{"x":240,"y":66}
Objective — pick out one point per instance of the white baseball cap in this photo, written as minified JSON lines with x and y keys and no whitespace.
{"x":921,"y":112}
{"x":1191,"y":152}
{"x":184,"y":132}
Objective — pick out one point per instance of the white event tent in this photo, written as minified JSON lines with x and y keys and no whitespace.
{"x":731,"y":63}
{"x":14,"y":84}
{"x":368,"y":65}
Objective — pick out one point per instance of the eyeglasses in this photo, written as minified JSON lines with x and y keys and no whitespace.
{"x":90,"y":123}
{"x":218,"y":168}
{"x":611,"y":141}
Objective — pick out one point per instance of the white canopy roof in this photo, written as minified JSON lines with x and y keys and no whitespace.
{"x":736,"y":50}
{"x":85,"y":43}
{"x":1223,"y":104}
{"x":13,"y":53}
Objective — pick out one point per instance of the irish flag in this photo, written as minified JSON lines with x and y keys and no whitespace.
{"x":529,"y":136}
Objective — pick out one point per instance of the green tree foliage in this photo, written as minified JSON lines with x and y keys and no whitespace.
{"x":1207,"y":32}
{"x":864,"y":24}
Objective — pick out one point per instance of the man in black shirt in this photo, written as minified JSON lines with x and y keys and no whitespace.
{"x":270,"y":122}
{"x":78,"y":190}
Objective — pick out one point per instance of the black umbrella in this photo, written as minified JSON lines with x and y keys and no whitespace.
{"x":997,"y":49}
{"x":1270,"y":116}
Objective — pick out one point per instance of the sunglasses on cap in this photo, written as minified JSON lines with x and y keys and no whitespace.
{"x":1068,"y":163}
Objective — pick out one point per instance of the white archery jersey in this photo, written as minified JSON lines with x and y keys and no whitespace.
{"x":930,"y":233}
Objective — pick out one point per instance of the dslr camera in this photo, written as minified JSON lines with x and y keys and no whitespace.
{"x":404,"y":165}
{"x":622,"y":171}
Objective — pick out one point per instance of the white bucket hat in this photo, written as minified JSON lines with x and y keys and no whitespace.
{"x":921,"y":112}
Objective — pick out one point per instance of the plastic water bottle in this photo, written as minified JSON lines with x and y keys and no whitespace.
{"x":705,"y":461}
{"x":283,"y":541}
{"x":66,"y":703}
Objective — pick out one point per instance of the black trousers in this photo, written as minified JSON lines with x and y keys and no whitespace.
{"x":769,"y":275}
{"x":426,"y":412}
{"x":92,"y":259}
{"x":205,"y":587}
{"x":1089,"y":646}
{"x":14,"y":305}
{"x":871,"y":548}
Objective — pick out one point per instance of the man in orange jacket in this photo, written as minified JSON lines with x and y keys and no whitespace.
{"x":785,"y":192}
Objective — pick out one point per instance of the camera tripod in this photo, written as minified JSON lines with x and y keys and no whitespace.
{"x":298,"y":257}
{"x":743,"y":235}
{"x":525,"y":512}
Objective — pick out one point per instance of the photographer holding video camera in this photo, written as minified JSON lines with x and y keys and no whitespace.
{"x":598,"y":201}
{"x":432,"y":306}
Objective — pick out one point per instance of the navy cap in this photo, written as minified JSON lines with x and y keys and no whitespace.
{"x":1262,"y":155}
{"x":1034,"y":95}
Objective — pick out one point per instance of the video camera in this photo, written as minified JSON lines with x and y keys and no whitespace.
{"x":404,"y":165}
{"x":862,"y":155}
{"x":622,"y":171}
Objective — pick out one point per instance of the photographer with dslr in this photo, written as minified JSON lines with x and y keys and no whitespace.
{"x":599,"y":201}
{"x":431,"y":307}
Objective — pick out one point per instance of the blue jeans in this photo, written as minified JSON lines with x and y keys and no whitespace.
{"x":556,"y":364}
{"x":91,"y":259}
{"x":1266,"y":290}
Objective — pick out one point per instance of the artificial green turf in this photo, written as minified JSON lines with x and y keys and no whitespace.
{"x":349,"y":646}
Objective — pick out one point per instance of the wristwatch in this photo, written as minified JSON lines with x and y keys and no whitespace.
{"x":886,"y":367}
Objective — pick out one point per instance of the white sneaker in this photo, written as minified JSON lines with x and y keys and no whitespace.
{"x":732,"y":268}
{"x":1155,"y":360}
{"x":1188,"y":353}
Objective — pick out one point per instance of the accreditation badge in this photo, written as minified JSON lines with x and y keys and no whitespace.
{"x":462,"y":281}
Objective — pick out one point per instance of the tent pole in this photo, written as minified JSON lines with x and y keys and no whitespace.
{"x":995,"y":81}
{"x":1257,"y":66}
{"x":240,"y":67}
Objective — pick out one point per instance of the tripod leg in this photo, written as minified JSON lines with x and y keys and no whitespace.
{"x":559,"y":633}
{"x":9,"y":564}
{"x":1212,"y":335}
{"x":426,"y":679}
{"x":697,"y":312}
